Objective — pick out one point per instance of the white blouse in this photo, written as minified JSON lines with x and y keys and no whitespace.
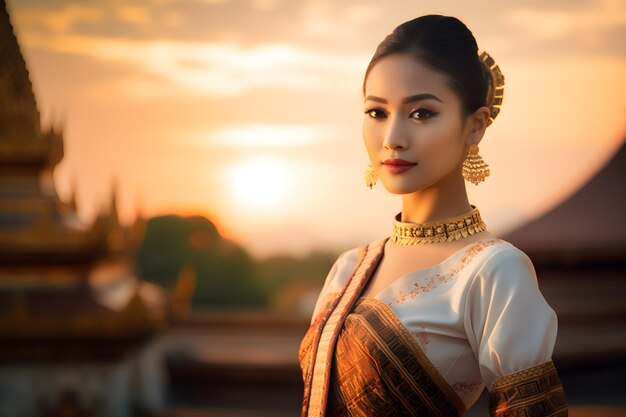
{"x":478,"y":315}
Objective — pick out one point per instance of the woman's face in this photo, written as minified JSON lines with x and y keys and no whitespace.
{"x":425,"y":130}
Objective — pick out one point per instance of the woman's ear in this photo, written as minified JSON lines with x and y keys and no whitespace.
{"x":478,"y":124}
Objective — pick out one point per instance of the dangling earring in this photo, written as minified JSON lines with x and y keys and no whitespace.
{"x":370,"y":176}
{"x":474,"y":167}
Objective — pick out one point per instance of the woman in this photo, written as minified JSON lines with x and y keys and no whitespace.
{"x":420,"y":322}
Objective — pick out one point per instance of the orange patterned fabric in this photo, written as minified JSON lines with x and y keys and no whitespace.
{"x":379,"y":370}
{"x":310,"y":346}
{"x":376,"y":368}
{"x":532,"y":392}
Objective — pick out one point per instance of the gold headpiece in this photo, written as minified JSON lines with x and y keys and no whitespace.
{"x":495,"y":92}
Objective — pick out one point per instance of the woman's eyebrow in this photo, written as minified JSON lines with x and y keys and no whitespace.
{"x":408,"y":99}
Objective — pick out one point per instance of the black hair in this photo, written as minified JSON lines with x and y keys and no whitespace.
{"x":445,"y":44}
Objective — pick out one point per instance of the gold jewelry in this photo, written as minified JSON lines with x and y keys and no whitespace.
{"x":454,"y":228}
{"x":370,"y":176}
{"x":474,"y":167}
{"x":495,"y":91}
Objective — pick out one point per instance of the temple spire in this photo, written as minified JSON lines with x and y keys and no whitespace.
{"x":113,"y":214}
{"x":74,"y":191}
{"x":19,"y":107}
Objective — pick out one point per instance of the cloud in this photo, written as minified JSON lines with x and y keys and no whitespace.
{"x":550,"y":24}
{"x":225,"y":48}
{"x":557,"y":33}
{"x":336,"y":21}
{"x":265,"y":135}
{"x":211,"y":69}
{"x":58,"y":20}
{"x":134,"y":14}
{"x":248,"y":22}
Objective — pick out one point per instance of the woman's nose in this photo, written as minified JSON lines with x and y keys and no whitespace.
{"x":395,"y":136}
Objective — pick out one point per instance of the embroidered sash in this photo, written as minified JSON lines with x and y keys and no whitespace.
{"x":532,"y":392}
{"x":316,"y":384}
{"x":358,"y":359}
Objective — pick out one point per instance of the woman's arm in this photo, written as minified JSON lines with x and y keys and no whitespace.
{"x":512,"y":331}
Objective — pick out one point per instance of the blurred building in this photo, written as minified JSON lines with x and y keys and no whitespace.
{"x":579,"y":251}
{"x":73,"y":316}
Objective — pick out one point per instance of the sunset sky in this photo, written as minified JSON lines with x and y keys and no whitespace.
{"x":249,"y":112}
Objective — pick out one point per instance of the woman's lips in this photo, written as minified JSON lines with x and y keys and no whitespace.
{"x":397,"y":166}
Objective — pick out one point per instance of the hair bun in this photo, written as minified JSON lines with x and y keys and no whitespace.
{"x":495,"y":91}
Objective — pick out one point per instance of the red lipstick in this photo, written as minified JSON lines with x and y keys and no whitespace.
{"x":397,"y":166}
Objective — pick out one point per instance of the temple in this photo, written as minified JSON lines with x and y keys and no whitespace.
{"x":68,"y":291}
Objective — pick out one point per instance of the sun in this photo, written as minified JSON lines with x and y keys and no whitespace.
{"x":260,"y":181}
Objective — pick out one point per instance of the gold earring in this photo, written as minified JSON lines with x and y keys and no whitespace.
{"x":370,"y":176}
{"x":474,"y":167}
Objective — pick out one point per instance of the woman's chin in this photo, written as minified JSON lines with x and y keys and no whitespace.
{"x":402,"y":186}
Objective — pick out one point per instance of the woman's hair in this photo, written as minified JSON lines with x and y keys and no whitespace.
{"x":445,"y":44}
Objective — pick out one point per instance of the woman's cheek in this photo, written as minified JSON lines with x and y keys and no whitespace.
{"x":373,"y":141}
{"x":370,"y":144}
{"x":439,"y":153}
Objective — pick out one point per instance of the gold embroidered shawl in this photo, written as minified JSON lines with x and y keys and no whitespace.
{"x":358,"y":359}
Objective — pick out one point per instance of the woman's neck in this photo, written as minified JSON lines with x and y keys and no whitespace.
{"x":447,"y":198}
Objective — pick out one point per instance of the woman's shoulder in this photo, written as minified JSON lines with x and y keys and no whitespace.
{"x":350,"y":257}
{"x":501,"y":250}
{"x":342,"y":268}
{"x":504,"y":261}
{"x":337,"y":276}
{"x":345,"y":264}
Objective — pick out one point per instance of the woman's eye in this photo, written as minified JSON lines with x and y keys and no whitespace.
{"x":424,"y":113}
{"x":374,"y":113}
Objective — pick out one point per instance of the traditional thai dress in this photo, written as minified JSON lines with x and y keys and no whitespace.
{"x":429,"y":343}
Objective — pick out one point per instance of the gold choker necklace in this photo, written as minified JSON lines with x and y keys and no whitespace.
{"x":454,"y":228}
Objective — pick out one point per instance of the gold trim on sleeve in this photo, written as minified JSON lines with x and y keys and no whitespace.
{"x":536,"y":391}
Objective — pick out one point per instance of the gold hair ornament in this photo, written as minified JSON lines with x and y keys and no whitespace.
{"x":474,"y":167}
{"x":495,"y":91}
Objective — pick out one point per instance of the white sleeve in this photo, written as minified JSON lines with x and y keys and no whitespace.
{"x":508,"y":322}
{"x":336,"y":277}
